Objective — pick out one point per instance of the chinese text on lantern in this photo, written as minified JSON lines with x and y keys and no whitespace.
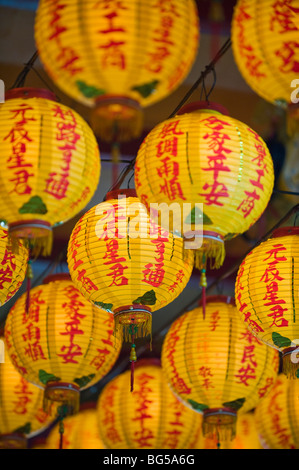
{"x":19,"y":137}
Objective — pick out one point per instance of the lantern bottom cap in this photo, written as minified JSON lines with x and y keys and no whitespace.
{"x":212,"y":248}
{"x":39,"y":232}
{"x":117,"y":118}
{"x":133,"y":321}
{"x":63,"y":394}
{"x":219,"y":423}
{"x":290,"y":362}
{"x":13,"y":441}
{"x":34,"y":228}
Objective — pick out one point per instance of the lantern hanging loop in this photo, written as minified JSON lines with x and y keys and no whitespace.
{"x":20,"y":80}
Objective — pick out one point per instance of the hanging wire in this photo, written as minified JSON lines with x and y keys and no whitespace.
{"x":292,"y":193}
{"x":20,"y":80}
{"x":129,"y":181}
{"x":209,"y":68}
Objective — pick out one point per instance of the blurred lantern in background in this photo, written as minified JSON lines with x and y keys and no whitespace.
{"x":216,"y":366}
{"x":21,"y":408}
{"x":64,"y":344}
{"x":246,"y":436}
{"x":212,"y":173}
{"x":118,"y":57}
{"x":265,"y":41}
{"x":80,"y":432}
{"x":13,"y":262}
{"x":277,"y":416}
{"x":126,"y":264}
{"x":50,"y":165}
{"x":149,"y":418}
{"x":267,"y":288}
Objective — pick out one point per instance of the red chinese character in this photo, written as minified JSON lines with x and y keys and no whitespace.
{"x":288,"y":52}
{"x":247,"y":204}
{"x":274,"y":252}
{"x":277,"y":316}
{"x":57,"y":187}
{"x":245,"y":374}
{"x":283,"y":15}
{"x":21,"y":182}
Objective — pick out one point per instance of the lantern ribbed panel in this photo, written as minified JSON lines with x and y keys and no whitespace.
{"x":13,"y":265}
{"x":277,"y":416}
{"x":63,"y":334}
{"x":151,"y":417}
{"x":49,"y":159}
{"x":118,"y":270}
{"x":267,"y":288}
{"x":246,"y":436}
{"x":80,"y":432}
{"x":206,"y":157}
{"x":92,"y":49}
{"x":216,"y":360}
{"x":265,"y":41}
{"x":21,"y":403}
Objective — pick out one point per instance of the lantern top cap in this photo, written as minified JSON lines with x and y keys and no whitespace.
{"x":204,"y":105}
{"x":57,"y":277}
{"x":120,"y":192}
{"x":27,"y":92}
{"x":219,"y":298}
{"x":285,"y":231}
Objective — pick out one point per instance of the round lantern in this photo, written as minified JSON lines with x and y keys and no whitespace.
{"x":213,"y":171}
{"x":126,"y":264}
{"x":267,"y":294}
{"x":63,"y":344}
{"x":80,"y":432}
{"x":149,"y":418}
{"x":118,"y":56}
{"x":13,"y":265}
{"x":277,"y":416}
{"x":21,"y":408}
{"x":216,"y":366}
{"x":50,"y":164}
{"x":246,"y":436}
{"x":265,"y":40}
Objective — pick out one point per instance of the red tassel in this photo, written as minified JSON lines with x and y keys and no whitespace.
{"x":203,"y":283}
{"x":203,"y":295}
{"x":133,"y":359}
{"x":132,"y":375}
{"x":29,"y":276}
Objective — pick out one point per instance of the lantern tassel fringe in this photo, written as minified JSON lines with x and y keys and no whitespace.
{"x":214,"y":251}
{"x":71,"y":400}
{"x":219,"y":432}
{"x":41,"y":246}
{"x":144,"y":329}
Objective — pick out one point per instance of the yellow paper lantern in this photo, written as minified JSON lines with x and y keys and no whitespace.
{"x":149,"y":418}
{"x":216,"y":366}
{"x":80,"y":432}
{"x":21,"y":408}
{"x":120,"y":56}
{"x":265,"y":40}
{"x":267,"y":294}
{"x":50,"y":164}
{"x":246,"y":436}
{"x":64,"y":344}
{"x":213,"y":170}
{"x":124,"y":263}
{"x":13,"y":265}
{"x":277,"y":416}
